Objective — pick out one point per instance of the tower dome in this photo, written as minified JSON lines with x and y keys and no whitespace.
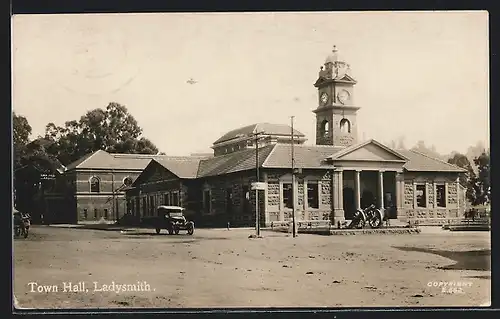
{"x":332,"y":57}
{"x":335,"y":66}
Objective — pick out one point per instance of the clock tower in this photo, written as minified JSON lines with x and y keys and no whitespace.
{"x":336,"y":113}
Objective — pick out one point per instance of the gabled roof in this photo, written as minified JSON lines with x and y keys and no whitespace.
{"x":419,"y":162}
{"x":186,"y":167}
{"x":266,"y":128}
{"x":358,"y":146}
{"x":104,"y":160}
{"x":98,"y":157}
{"x":233,"y":162}
{"x":304,"y":156}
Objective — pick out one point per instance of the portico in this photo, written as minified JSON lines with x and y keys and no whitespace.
{"x":365,"y":174}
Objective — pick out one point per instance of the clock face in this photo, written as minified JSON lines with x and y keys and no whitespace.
{"x":324,"y":98}
{"x":343,"y":96}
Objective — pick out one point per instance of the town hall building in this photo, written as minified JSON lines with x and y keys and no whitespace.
{"x":333,"y":178}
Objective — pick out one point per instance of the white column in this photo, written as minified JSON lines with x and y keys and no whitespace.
{"x":381,"y":189}
{"x":399,"y":192}
{"x":458,"y":197}
{"x":357,"y":189}
{"x":337,"y":196}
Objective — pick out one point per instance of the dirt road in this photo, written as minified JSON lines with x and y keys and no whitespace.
{"x":221,"y":268}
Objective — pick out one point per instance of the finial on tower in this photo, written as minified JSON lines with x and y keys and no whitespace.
{"x":333,"y":57}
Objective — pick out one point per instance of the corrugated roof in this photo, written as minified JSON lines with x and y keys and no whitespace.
{"x":91,"y":160}
{"x":270,"y":156}
{"x":104,"y":160}
{"x":233,"y":162}
{"x":418,"y":162}
{"x":305,"y":156}
{"x":266,"y":128}
{"x":182,"y":167}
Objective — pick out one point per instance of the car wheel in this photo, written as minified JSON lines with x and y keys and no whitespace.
{"x":176,"y":230}
{"x":25,"y":233}
{"x":190,"y":229}
{"x":158,"y":230}
{"x":170,"y":231}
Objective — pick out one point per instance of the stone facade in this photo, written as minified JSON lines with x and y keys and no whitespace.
{"x":431,"y":214}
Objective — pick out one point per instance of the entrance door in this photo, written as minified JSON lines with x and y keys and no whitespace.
{"x":348,"y":201}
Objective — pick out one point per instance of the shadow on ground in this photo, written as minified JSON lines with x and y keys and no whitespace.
{"x":465,"y":260}
{"x":184,"y":237}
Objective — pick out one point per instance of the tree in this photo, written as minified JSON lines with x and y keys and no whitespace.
{"x":401,"y":143}
{"x":113,"y":130}
{"x":468,"y":179}
{"x":482,"y":186}
{"x":21,"y":130}
{"x":429,"y":151}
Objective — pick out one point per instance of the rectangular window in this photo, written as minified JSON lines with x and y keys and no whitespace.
{"x":440,"y":196}
{"x":246,"y":198}
{"x":151,"y":205}
{"x":85,"y":213}
{"x":95,"y":212}
{"x":206,"y":201}
{"x":312,"y":195}
{"x":421,"y":196}
{"x":229,"y":199}
{"x":287,"y":195}
{"x":175,"y":199}
{"x":105,"y":213}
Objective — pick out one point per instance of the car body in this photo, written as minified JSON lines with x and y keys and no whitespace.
{"x":170,"y":218}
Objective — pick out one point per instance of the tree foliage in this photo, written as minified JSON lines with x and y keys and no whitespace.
{"x":21,"y":130}
{"x":477,"y":184}
{"x":112,"y":129}
{"x":481,"y":183}
{"x":467,"y":179}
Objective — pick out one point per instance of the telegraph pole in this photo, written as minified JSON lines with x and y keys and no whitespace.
{"x":293,"y":183}
{"x":257,"y":213}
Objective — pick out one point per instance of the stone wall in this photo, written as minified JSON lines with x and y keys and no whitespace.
{"x":408,"y":194}
{"x":452,"y":194}
{"x":326,"y":190}
{"x":430,"y":194}
{"x":431,"y":215}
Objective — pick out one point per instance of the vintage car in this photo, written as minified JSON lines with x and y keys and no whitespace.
{"x":170,"y":218}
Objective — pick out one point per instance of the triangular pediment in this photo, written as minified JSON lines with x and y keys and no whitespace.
{"x":368,"y":151}
{"x":320,"y":81}
{"x":346,"y":78}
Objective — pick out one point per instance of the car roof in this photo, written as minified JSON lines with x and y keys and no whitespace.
{"x":171,"y":207}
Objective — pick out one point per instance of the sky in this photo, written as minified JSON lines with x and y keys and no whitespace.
{"x":421,"y":75}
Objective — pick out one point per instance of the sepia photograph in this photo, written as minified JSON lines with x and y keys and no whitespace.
{"x":251,"y":160}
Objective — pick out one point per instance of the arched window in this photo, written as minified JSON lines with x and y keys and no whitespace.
{"x":95,"y":186}
{"x":127,"y":181}
{"x":325,"y":128}
{"x":345,"y":126}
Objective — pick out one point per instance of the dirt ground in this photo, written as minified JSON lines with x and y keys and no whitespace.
{"x":224,"y":268}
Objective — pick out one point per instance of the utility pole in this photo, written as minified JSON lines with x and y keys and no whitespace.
{"x":293,"y":183}
{"x":257,"y":213}
{"x":113,"y":194}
